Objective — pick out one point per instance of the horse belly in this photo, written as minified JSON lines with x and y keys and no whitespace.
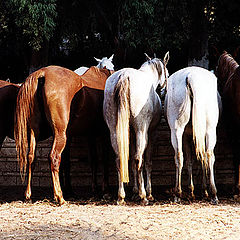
{"x":86,"y":114}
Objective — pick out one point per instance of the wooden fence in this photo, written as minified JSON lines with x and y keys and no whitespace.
{"x":163,"y":163}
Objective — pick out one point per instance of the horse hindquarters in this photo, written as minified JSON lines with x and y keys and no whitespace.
{"x":204,"y":123}
{"x":116,"y":115}
{"x":57,"y":113}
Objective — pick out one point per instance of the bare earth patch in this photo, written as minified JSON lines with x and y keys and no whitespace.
{"x":77,"y":220}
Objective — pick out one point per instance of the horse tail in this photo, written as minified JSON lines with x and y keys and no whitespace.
{"x":198,"y":120}
{"x":121,"y":98}
{"x":26,"y":101}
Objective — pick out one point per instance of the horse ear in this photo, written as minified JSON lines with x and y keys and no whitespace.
{"x":154,"y":55}
{"x":98,"y":60}
{"x":148,"y":58}
{"x":111,"y":58}
{"x":166,"y":58}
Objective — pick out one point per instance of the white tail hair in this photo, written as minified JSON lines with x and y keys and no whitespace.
{"x":121,"y":97}
{"x":198,"y":122}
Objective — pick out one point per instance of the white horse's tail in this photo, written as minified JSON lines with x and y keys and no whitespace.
{"x":121,"y":98}
{"x":198,"y":120}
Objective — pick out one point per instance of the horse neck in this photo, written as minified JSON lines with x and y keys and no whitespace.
{"x":152,"y":74}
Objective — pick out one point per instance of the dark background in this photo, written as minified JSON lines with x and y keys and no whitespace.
{"x":70,"y":33}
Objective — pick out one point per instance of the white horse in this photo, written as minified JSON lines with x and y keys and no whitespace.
{"x":102,"y":63}
{"x":192,"y":94}
{"x":132,"y":107}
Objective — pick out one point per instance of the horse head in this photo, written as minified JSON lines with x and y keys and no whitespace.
{"x":159,"y":66}
{"x":105,"y":63}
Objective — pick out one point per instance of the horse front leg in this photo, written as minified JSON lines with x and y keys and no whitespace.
{"x":238,"y":182}
{"x":65,"y":170}
{"x":236,"y":155}
{"x":92,"y":153}
{"x":105,"y":167}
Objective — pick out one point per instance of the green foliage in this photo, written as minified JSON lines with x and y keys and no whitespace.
{"x":155,"y":24}
{"x":35,"y":19}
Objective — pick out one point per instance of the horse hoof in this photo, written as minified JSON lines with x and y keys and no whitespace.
{"x":135,"y":190}
{"x":135,"y":197}
{"x":28,"y":200}
{"x":60,"y":201}
{"x":144,"y":202}
{"x":177,"y":199}
{"x":107,"y":196}
{"x":205,"y":195}
{"x":214,"y":201}
{"x":121,"y":202}
{"x":236,"y":198}
{"x":150,"y":198}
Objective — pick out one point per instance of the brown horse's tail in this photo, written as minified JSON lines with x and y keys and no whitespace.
{"x":26,"y":100}
{"x":121,"y":96}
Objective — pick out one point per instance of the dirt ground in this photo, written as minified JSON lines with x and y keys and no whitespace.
{"x":98,"y":219}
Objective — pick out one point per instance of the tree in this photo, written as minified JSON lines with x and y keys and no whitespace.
{"x":34,"y":22}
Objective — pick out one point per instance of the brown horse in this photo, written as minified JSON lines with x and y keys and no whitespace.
{"x":8,"y":97}
{"x":70,"y":104}
{"x":228,"y":73}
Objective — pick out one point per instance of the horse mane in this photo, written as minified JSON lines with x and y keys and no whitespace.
{"x":226,"y":66}
{"x":155,"y":64}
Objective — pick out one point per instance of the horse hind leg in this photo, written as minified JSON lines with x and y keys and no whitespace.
{"x":204,"y":181}
{"x":31,"y":155}
{"x":187,"y":146}
{"x":55,"y":159}
{"x":176,"y":138}
{"x":106,"y":149}
{"x":133,"y":166}
{"x":148,"y":168}
{"x":92,"y":153}
{"x":121,"y":192}
{"x":141,"y":144}
{"x":210,"y":144}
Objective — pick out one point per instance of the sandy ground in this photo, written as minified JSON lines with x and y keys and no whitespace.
{"x":106,"y":220}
